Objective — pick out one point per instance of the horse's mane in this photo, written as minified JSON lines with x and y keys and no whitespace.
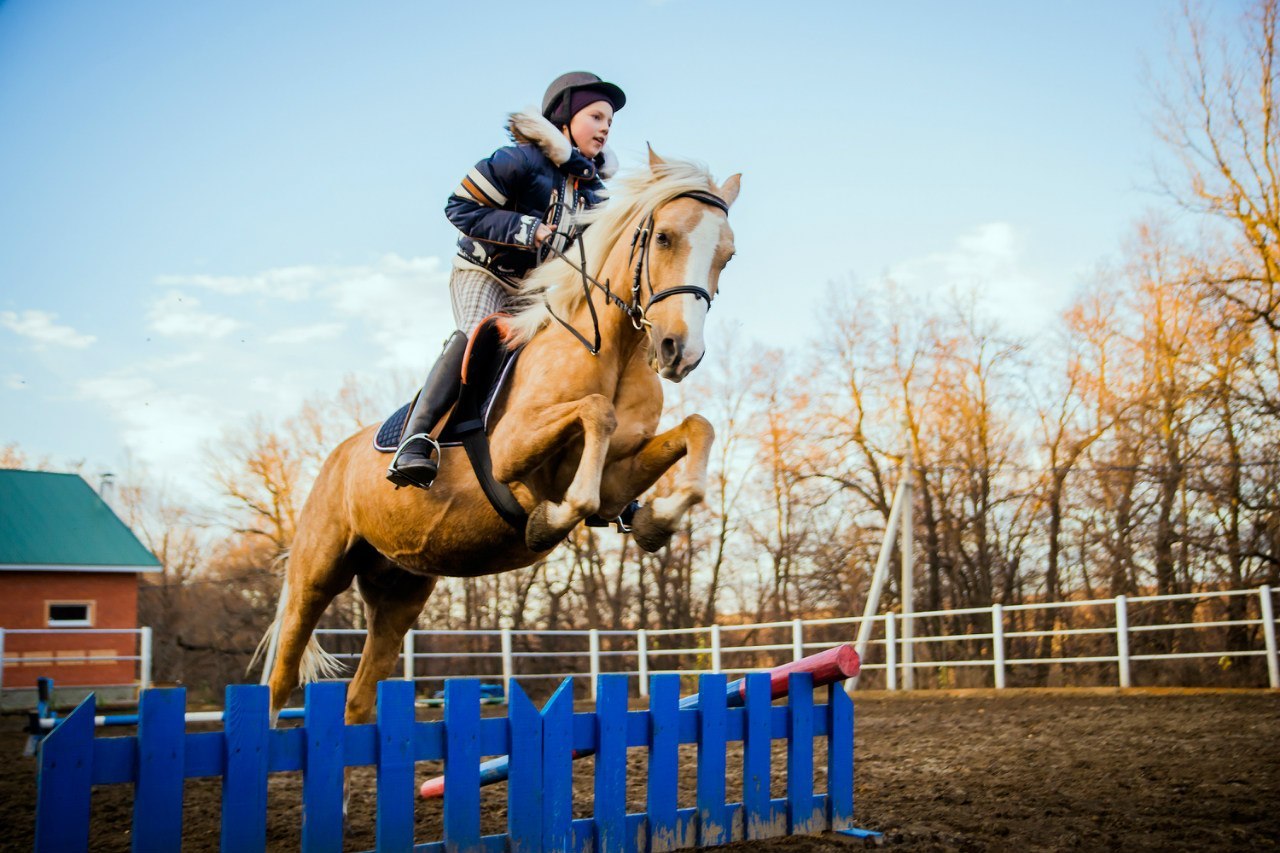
{"x":557,"y":283}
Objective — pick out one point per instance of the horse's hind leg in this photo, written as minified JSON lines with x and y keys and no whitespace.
{"x":320,"y":567}
{"x":393,"y":601}
{"x":654,"y":524}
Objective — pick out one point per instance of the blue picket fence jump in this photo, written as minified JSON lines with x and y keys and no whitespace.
{"x":162,"y":754}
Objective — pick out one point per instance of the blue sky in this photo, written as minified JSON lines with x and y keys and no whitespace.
{"x":212,"y":211}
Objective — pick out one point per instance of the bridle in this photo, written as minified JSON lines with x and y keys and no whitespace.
{"x":637,"y":308}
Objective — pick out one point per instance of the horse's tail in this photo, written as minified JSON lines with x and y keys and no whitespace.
{"x":316,"y":663}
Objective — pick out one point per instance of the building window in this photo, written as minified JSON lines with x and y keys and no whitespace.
{"x":70,"y":614}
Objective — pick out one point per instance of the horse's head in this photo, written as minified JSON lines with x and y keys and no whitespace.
{"x":688,"y":244}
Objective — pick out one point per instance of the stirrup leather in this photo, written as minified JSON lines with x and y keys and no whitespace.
{"x":398,"y":477}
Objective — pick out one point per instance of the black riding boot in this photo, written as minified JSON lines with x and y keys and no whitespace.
{"x":413,"y":464}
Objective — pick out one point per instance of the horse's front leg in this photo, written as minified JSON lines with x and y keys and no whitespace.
{"x":654,"y":524}
{"x":534,"y":439}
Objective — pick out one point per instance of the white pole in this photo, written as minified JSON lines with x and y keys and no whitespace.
{"x":269,"y":660}
{"x":797,"y":639}
{"x":1122,"y":638}
{"x":144,"y":652}
{"x":715,"y":648}
{"x":997,"y":643}
{"x":408,"y":655}
{"x":593,"y":637}
{"x":891,"y":651}
{"x":881,"y":572}
{"x":508,"y":665}
{"x":908,"y":579}
{"x":1269,"y":636}
{"x":642,"y":652}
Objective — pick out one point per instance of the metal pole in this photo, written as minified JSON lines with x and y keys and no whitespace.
{"x":408,"y":655}
{"x":1122,"y":638}
{"x":797,"y":639}
{"x":881,"y":572}
{"x":1269,"y":636}
{"x":642,"y":652}
{"x":144,"y":652}
{"x":508,"y":665}
{"x":715,"y":648}
{"x":593,"y":638}
{"x":891,"y":651}
{"x":908,"y":579}
{"x":997,"y":643}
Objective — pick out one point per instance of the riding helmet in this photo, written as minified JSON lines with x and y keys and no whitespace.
{"x":555,"y":103}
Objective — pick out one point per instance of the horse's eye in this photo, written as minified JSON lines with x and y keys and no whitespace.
{"x":663,"y":240}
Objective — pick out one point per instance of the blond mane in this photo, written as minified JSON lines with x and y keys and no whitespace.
{"x":558,"y":284}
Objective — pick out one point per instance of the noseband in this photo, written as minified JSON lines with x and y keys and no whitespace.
{"x":641,"y":240}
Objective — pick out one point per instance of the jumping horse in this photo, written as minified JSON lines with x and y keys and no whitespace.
{"x":574,"y":433}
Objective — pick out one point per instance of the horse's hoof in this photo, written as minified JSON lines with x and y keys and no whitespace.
{"x":539,"y":535}
{"x":646,"y":531}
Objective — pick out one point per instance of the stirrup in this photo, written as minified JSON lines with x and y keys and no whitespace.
{"x":623,"y":521}
{"x":400,"y":478}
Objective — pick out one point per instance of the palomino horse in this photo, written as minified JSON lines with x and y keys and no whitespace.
{"x":573,"y":436}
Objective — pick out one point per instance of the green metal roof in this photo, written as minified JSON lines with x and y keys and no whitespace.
{"x":57,"y":522}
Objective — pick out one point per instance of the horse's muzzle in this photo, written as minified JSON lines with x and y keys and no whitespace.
{"x":673,"y":360}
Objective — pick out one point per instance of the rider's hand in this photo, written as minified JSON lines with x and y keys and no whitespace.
{"x":542,"y":234}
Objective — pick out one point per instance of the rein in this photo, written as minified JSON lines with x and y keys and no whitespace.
{"x":635,"y":311}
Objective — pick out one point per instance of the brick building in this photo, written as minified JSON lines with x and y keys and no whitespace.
{"x":67,"y":562}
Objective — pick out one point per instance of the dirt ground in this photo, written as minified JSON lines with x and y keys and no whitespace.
{"x":966,"y":771}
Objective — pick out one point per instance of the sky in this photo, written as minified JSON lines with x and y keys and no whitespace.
{"x":214,"y":211}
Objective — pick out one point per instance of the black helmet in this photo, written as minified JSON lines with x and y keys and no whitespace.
{"x":555,"y":103}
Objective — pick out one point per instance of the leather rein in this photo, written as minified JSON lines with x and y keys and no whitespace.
{"x":641,"y":240}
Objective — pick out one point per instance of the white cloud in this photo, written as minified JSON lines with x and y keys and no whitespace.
{"x":307,"y":334}
{"x":987,"y":261}
{"x":39,"y":327}
{"x":15,"y":382}
{"x":177,"y":315}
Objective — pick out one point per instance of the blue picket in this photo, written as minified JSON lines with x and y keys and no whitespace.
{"x":244,"y":779}
{"x":757,"y":760}
{"x":713,"y":816}
{"x":802,"y":817}
{"x":664,"y":764}
{"x":65,"y":783}
{"x":323,"y":767}
{"x":611,"y":764}
{"x":157,"y":798}
{"x":524,"y":781}
{"x":461,"y":765}
{"x":839,"y":758}
{"x":557,"y":769}
{"x":393,"y":828}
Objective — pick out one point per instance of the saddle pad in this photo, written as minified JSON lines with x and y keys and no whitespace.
{"x":488,"y":367}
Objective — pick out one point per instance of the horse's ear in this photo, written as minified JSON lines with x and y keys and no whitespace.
{"x":654,"y":160}
{"x":729,"y":189}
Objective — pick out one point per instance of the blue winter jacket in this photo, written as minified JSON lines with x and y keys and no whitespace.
{"x":500,"y":203}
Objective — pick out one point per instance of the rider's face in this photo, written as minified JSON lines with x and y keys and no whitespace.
{"x":589,"y":127}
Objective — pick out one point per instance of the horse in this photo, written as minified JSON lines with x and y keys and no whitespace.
{"x":573,"y":434}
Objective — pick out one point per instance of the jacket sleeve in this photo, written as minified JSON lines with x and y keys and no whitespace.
{"x":478,"y":206}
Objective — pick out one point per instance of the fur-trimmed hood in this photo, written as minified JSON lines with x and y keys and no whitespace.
{"x":530,"y":127}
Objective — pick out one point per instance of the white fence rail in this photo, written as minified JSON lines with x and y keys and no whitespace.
{"x":1008,"y":638}
{"x":142,"y":658}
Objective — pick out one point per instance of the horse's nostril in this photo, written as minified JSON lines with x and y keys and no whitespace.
{"x":670,"y":351}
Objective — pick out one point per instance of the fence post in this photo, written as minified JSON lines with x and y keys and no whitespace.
{"x":593,"y":641}
{"x":408,"y":655}
{"x":997,"y":643}
{"x":797,"y":639}
{"x":1269,"y":636}
{"x":144,"y":652}
{"x":908,"y":580}
{"x":642,"y":653}
{"x":508,"y":666}
{"x":891,"y":651}
{"x":715,"y":648}
{"x":1122,"y":638}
